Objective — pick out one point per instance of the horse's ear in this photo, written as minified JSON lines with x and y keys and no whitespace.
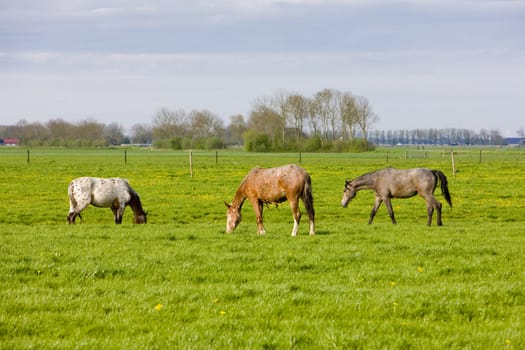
{"x":227,"y":205}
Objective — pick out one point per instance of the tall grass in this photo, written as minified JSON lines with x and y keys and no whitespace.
{"x":180,"y":282}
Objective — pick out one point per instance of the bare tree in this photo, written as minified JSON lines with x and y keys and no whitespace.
{"x":279,"y":104}
{"x":59,"y":129}
{"x":203,"y":124}
{"x":114,"y":134}
{"x":236,"y":128}
{"x":264,"y":120}
{"x":89,"y":132}
{"x":141,"y":134}
{"x":324,"y":106}
{"x":365,"y":116}
{"x":349,"y":114}
{"x":169,"y":124}
{"x":298,"y":107}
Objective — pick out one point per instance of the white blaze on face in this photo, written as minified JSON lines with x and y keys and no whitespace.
{"x":233,"y":217}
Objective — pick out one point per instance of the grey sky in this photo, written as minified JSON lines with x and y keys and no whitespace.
{"x":421,"y":64}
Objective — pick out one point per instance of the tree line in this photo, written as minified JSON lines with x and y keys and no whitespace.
{"x":329,"y":120}
{"x":61,"y":133}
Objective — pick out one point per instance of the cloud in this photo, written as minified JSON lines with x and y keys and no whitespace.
{"x":258,"y":26}
{"x":449,"y":59}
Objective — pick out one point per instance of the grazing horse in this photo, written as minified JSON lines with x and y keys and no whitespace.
{"x":393,"y":183}
{"x":273,"y":186}
{"x":114,"y":193}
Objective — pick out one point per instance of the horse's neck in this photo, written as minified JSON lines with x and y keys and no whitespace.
{"x":364,"y":182}
{"x":135,"y":203}
{"x":240,"y":197}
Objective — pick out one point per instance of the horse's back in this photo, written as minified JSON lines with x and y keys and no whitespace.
{"x":100,"y":191}
{"x":413,"y":174}
{"x":405,"y":182}
{"x":286,"y":175}
{"x":275,"y":184}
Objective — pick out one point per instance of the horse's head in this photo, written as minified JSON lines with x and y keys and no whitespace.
{"x":141,"y":218}
{"x":233,"y":217}
{"x":348,"y":193}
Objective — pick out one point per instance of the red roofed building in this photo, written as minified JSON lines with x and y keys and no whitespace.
{"x":10,"y":142}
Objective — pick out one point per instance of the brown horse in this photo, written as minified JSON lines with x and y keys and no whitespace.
{"x":393,"y":183}
{"x":273,"y":186}
{"x":114,"y":193}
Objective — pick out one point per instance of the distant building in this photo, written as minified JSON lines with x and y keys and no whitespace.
{"x":9,"y":142}
{"x":515,"y":141}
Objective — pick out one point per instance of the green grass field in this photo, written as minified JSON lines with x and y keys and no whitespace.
{"x":180,"y":282}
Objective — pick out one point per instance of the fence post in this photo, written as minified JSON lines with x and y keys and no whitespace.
{"x":480,"y":156}
{"x":300,"y":157}
{"x":216,"y":157}
{"x":453,"y":159}
{"x":125,"y":157}
{"x":28,"y":156}
{"x":191,"y":165}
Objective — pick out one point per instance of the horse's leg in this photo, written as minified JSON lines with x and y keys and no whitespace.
{"x":71,"y":216}
{"x":118,"y":212}
{"x":430,"y":212}
{"x":75,"y":211}
{"x":121,"y":213}
{"x":312,"y":226}
{"x":376,"y":206}
{"x":388,"y":204}
{"x":115,"y":215}
{"x":432,"y":204}
{"x":296,"y":212}
{"x":258,"y":209}
{"x":309,"y":205}
{"x":438,"y":209}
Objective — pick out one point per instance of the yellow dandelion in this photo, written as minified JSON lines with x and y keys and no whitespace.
{"x":508,"y":342}
{"x":395,"y":304}
{"x":419,"y":269}
{"x":158,"y":307}
{"x":222,"y":313}
{"x":392,"y":284}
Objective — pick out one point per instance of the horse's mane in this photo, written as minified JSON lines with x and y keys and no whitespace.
{"x":240,"y":194}
{"x":367,"y":179}
{"x":134,"y":197}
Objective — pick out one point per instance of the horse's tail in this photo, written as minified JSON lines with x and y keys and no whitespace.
{"x":444,"y":185}
{"x":308,"y":198}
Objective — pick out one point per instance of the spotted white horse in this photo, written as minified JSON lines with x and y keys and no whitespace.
{"x":114,"y":193}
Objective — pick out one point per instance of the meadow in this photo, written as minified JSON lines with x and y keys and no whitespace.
{"x":181,"y":282}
